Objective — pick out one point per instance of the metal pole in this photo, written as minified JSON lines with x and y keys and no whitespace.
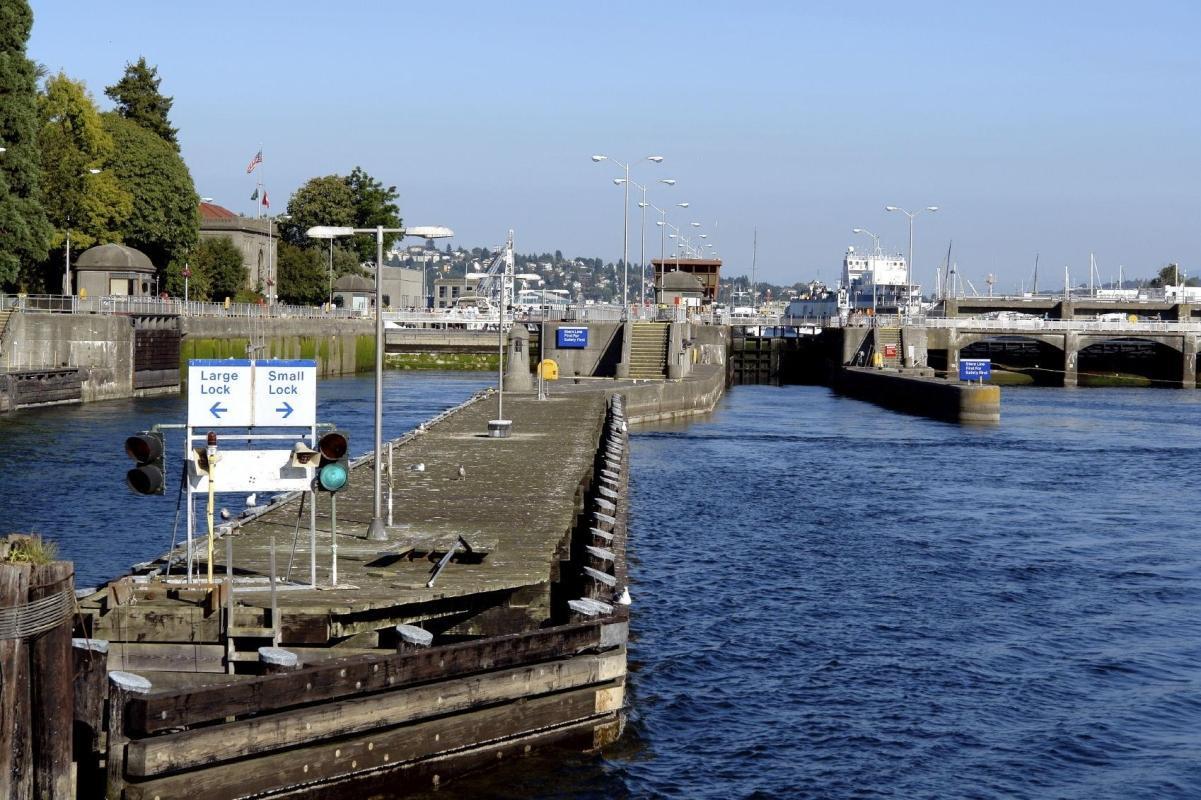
{"x":331,"y":273}
{"x":909,"y":266}
{"x":67,"y":262}
{"x":625,"y":247}
{"x":376,"y":531}
{"x":333,"y":539}
{"x":500,"y":336}
{"x":642,"y":257}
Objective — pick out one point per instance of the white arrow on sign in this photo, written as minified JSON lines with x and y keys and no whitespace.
{"x":285,"y":393}
{"x":219,"y":393}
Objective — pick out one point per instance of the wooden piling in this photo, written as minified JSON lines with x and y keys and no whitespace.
{"x":90,"y":658}
{"x":16,"y":756}
{"x":52,"y":688}
{"x":123,"y":686}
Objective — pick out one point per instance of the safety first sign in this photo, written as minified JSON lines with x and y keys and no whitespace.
{"x":237,"y":393}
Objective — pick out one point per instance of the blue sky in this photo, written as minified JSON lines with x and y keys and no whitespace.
{"x":1055,"y":128}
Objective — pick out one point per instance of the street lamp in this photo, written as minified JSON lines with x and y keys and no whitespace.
{"x":909,"y":263}
{"x":625,"y":226}
{"x":376,"y":530}
{"x":331,"y":265}
{"x":67,"y":257}
{"x":500,"y":427}
{"x":642,"y":204}
{"x":875,"y":239}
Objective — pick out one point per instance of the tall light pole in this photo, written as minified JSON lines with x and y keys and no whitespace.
{"x":642,"y":204}
{"x":376,"y":530}
{"x":67,"y":257}
{"x":909,"y":263}
{"x":876,"y":255}
{"x":625,"y":226}
{"x":500,"y":427}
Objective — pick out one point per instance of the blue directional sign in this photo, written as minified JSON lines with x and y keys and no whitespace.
{"x":975,"y":369}
{"x":239,"y":393}
{"x":572,"y":337}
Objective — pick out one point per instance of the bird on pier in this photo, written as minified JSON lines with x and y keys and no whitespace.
{"x":252,"y":500}
{"x":225,"y":513}
{"x":624,"y":598}
{"x":417,"y":467}
{"x":460,"y":473}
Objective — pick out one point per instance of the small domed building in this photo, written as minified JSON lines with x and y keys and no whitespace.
{"x":114,"y":269}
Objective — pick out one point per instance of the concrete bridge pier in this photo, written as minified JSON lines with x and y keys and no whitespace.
{"x":1188,"y":375}
{"x":952,"y":353}
{"x":1071,"y":351}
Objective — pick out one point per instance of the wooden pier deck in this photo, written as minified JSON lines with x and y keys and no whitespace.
{"x":515,"y":507}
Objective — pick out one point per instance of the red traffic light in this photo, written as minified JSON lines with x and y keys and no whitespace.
{"x":146,"y":449}
{"x":333,"y":445}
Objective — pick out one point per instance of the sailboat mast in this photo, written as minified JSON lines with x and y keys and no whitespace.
{"x":754,"y":260}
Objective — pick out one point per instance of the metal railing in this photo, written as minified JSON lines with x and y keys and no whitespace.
{"x":123,"y":304}
{"x":1061,"y":325}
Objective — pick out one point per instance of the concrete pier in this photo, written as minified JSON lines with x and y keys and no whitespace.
{"x":923,"y":395}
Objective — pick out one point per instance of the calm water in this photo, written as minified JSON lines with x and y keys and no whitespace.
{"x":833,"y":600}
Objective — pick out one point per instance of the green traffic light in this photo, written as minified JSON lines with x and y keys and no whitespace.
{"x":332,"y":477}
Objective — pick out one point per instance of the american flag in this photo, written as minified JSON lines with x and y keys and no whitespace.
{"x":254,"y":162}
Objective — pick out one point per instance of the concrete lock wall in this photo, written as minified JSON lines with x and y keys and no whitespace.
{"x":102,"y":346}
{"x":604,"y":341}
{"x":340,"y":347}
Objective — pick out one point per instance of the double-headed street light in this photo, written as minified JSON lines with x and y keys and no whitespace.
{"x":67,"y":257}
{"x":376,"y":530}
{"x":909,"y":263}
{"x":642,"y":204}
{"x":500,"y":428}
{"x":625,"y":226}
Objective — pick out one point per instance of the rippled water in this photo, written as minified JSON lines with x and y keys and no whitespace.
{"x":833,"y":600}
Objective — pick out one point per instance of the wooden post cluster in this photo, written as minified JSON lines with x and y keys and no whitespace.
{"x":37,"y":678}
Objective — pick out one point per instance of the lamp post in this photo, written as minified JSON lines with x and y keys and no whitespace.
{"x":67,"y":256}
{"x":642,"y":204}
{"x":376,"y":530}
{"x":909,"y":262}
{"x":625,"y":226}
{"x":331,"y":263}
{"x":500,"y":428}
{"x":876,"y":254}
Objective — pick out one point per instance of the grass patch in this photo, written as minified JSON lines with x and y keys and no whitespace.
{"x":31,"y":550}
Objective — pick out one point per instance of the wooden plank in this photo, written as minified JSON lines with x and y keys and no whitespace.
{"x":179,"y":623}
{"x":52,"y":688}
{"x":380,"y":749}
{"x":260,"y":735}
{"x":168,"y":657}
{"x":16,"y":756}
{"x":345,"y":677}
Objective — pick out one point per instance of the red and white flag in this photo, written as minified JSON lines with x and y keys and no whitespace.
{"x":254,"y":162}
{"x":266,"y":202}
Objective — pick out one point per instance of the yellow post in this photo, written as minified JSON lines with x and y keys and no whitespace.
{"x":212,"y":472}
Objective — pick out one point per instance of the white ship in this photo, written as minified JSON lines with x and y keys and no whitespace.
{"x":878,"y":281}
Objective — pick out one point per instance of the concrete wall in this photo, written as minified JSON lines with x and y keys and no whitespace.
{"x":100,"y":345}
{"x":340,"y":347}
{"x":662,"y":400}
{"x":927,"y":397}
{"x":588,"y":361}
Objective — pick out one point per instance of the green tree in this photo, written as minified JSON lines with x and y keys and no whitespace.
{"x":320,"y":201}
{"x":303,"y":275}
{"x":197,"y":283}
{"x":138,"y":99}
{"x":78,"y":194}
{"x":165,"y":220}
{"x":220,"y":263}
{"x":24,"y":229}
{"x":374,"y":204}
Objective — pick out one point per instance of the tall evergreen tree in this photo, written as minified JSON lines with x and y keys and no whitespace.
{"x":138,"y":99}
{"x":24,"y":230}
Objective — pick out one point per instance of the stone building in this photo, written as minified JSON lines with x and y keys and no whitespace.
{"x":255,"y":238}
{"x":114,"y":269}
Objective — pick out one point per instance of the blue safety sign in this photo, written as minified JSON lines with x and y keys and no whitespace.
{"x":975,"y":369}
{"x":571,"y":337}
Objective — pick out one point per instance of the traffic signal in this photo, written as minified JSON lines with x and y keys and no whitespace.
{"x":333,"y":473}
{"x":146,"y":448}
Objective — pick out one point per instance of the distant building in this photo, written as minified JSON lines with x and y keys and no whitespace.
{"x":679,"y":288}
{"x":400,"y":287}
{"x":448,"y":290}
{"x":706,"y":270}
{"x":114,"y":269}
{"x":256,"y":238}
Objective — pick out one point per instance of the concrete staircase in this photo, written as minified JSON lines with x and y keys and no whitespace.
{"x":4,"y":315}
{"x":648,"y":350}
{"x":888,"y":345}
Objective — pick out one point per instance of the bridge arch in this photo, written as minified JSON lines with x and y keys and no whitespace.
{"x":1133,"y":360}
{"x":1016,"y":357}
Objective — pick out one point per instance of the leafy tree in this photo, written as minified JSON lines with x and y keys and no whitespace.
{"x":74,"y":145}
{"x":303,"y":275}
{"x":220,"y":262}
{"x":197,"y":283}
{"x":374,"y":204}
{"x":165,"y":220}
{"x":24,"y":229}
{"x":138,"y":99}
{"x":320,"y":201}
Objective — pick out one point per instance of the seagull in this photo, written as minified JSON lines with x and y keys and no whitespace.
{"x":417,"y":467}
{"x":225,"y":513}
{"x":461,"y":472}
{"x":624,"y":598}
{"x":252,"y":500}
